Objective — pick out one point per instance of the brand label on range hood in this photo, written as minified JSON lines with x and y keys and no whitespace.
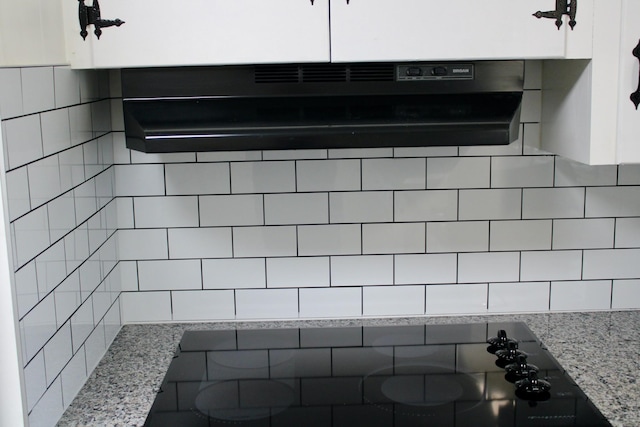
{"x":413,"y":72}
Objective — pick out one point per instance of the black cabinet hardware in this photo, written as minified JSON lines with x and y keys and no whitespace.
{"x":563,"y":7}
{"x":90,"y":15}
{"x":635,"y":96}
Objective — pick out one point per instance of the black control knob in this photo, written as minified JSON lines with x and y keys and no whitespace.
{"x":533,"y":388}
{"x":439,"y":71}
{"x":509,"y":354}
{"x":499,"y":342}
{"x":519,"y":369}
{"x":414,"y":71}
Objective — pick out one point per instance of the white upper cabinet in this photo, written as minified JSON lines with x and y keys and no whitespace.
{"x":400,"y":30}
{"x":588,"y":115}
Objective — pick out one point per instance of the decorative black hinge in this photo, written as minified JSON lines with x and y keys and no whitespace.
{"x":90,"y":15}
{"x":563,"y":7}
{"x":635,"y":96}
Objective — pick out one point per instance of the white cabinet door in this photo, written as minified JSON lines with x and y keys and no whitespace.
{"x":397,"y":30}
{"x":170,"y":32}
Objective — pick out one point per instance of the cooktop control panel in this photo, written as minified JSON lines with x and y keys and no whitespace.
{"x":418,"y":72}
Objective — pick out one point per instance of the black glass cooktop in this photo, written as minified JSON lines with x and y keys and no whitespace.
{"x":387,"y":376}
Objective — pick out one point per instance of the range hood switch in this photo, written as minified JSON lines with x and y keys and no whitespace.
{"x":414,"y":71}
{"x":439,"y":71}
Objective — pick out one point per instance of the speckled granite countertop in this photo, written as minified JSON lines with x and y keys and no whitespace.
{"x":599,"y":350}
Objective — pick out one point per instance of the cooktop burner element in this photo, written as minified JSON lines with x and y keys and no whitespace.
{"x":400,"y":376}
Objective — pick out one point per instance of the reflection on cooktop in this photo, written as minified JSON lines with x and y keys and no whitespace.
{"x":400,"y":376}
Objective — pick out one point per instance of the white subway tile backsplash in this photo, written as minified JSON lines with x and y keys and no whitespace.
{"x":169,"y":275}
{"x":38,"y":326}
{"x":360,"y":207}
{"x":251,"y":242}
{"x":51,"y":268}
{"x":234,"y":273}
{"x":458,"y":172}
{"x":198,"y":178}
{"x":19,"y":202}
{"x":31,"y":233}
{"x":56,"y":133}
{"x":520,"y":235}
{"x":90,"y":276}
{"x":229,"y":156}
{"x":174,"y":211}
{"x":67,"y":298}
{"x":73,"y":377}
{"x":490,"y":204}
{"x":611,"y":264}
{"x":362,"y":270}
{"x":294,"y":154}
{"x":44,"y":180}
{"x":581,"y":295}
{"x":393,"y":300}
{"x":530,"y":136}
{"x":26,"y":286}
{"x":573,"y":174}
{"x":627,"y":233}
{"x":430,"y":205}
{"x":202,"y":305}
{"x":237,"y":209}
{"x":393,"y":238}
{"x":62,"y":216}
{"x":10,"y":93}
{"x":49,"y":408}
{"x":86,"y":202}
{"x":76,"y":245}
{"x":425,"y":269}
{"x":583,"y":233}
{"x":335,"y":239}
{"x":38,"y":93}
{"x":629,"y":174}
{"x":299,"y":272}
{"x":263,"y":177}
{"x":470,"y":236}
{"x":425,"y":151}
{"x":526,"y":171}
{"x":394,"y":174}
{"x":168,"y":158}
{"x":359,"y":153}
{"x":456,"y":299}
{"x":533,"y":74}
{"x":200,"y":243}
{"x":488,"y":267}
{"x":518,"y":297}
{"x":328,"y":175}
{"x":58,"y":352}
{"x":66,"y":86}
{"x":145,"y":307}
{"x":551,"y":265}
{"x":513,"y":149}
{"x":531,"y":106}
{"x":23,"y":139}
{"x":266,"y":303}
{"x":35,"y":380}
{"x":625,"y":294}
{"x":94,"y":347}
{"x":612,"y":202}
{"x":308,"y":208}
{"x":140,"y":180}
{"x":552,"y":203}
{"x":71,"y":168}
{"x":80,"y":124}
{"x":142,"y":244}
{"x":331,"y":302}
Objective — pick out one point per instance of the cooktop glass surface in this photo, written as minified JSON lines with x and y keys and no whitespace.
{"x":386,"y":376}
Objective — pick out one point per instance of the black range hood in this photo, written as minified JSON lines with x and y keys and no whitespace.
{"x":310,"y":106}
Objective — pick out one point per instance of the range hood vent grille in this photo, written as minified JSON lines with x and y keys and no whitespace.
{"x":324,"y":73}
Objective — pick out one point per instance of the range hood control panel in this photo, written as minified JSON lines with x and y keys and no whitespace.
{"x":413,"y":72}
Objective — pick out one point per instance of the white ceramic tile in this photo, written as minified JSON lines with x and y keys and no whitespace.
{"x":626,"y":294}
{"x":73,"y":377}
{"x":489,"y":267}
{"x":425,"y":151}
{"x":329,"y":239}
{"x":85,"y":200}
{"x":67,"y":298}
{"x":512,"y":149}
{"x":198,"y":178}
{"x":44,"y":180}
{"x":39,"y":326}
{"x":10,"y":93}
{"x":97,"y":232}
{"x":518,"y":297}
{"x":531,"y":133}
{"x":266,"y":303}
{"x":627,"y":233}
{"x":76,"y":245}
{"x":171,"y":211}
{"x":31,"y":234}
{"x":139,"y":180}
{"x":250,"y":242}
{"x":95,"y":347}
{"x":263,"y":177}
{"x":328,"y":175}
{"x":234,"y":273}
{"x":117,"y":116}
{"x":580,"y":295}
{"x":425,"y":269}
{"x":470,"y":236}
{"x":56,"y":134}
{"x":237,"y":209}
{"x":202,"y":305}
{"x":359,"y":153}
{"x":105,"y":187}
{"x":553,"y":203}
{"x":80,"y":124}
{"x":51,"y":268}
{"x":294,"y":154}
{"x":393,"y":174}
{"x":526,"y":171}
{"x":229,"y":156}
{"x":613,"y":202}
{"x":90,"y":153}
{"x":330,"y":302}
{"x":35,"y":380}
{"x":583,"y":233}
{"x":139,"y":157}
{"x":456,"y":299}
{"x":199,"y":243}
{"x":101,"y":116}
{"x":142,"y":244}
{"x":90,"y":276}
{"x":458,"y":172}
{"x":49,"y":408}
{"x":490,"y":204}
{"x":533,"y":74}
{"x":101,"y":300}
{"x":62,"y":216}
{"x":19,"y":202}
{"x":362,"y":270}
{"x":89,"y":85}
{"x":58,"y":352}
{"x":551,"y":265}
{"x":112,"y":323}
{"x":125,"y":212}
{"x":611,"y":264}
{"x":297,"y":272}
{"x":531,"y":106}
{"x":37,"y":89}
{"x":23,"y":139}
{"x":140,"y":307}
{"x":169,"y":275}
{"x":393,"y":300}
{"x":67,"y":86}
{"x":573,"y":174}
{"x":26,"y":287}
{"x":300,"y":208}
{"x":71,"y":168}
{"x":431,"y":205}
{"x":128,"y":271}
{"x":629,"y":174}
{"x":520,"y":235}
{"x":359,"y":207}
{"x":393,"y":238}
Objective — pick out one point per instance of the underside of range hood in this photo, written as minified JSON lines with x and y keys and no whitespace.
{"x":310,"y":106}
